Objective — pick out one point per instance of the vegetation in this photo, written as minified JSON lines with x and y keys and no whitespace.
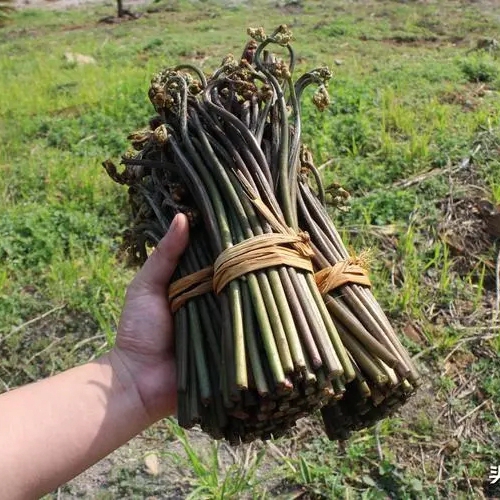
{"x":5,"y":9}
{"x":412,"y":133}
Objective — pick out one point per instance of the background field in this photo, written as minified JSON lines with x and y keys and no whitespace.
{"x":412,"y":133}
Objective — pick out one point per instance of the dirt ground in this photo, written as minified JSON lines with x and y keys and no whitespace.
{"x":66,"y":4}
{"x":125,"y":473}
{"x":58,"y":4}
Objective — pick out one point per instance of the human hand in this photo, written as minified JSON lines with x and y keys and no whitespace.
{"x":145,"y":340}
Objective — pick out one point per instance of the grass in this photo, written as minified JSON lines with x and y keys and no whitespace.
{"x":212,"y":478}
{"x":415,"y":91}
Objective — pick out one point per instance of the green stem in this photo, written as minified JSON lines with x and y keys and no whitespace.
{"x":332,"y":331}
{"x":343,"y":315}
{"x":289,"y":210}
{"x":199,"y":352}
{"x":251,"y":343}
{"x":363,"y":358}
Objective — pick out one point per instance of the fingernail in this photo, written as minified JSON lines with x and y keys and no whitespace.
{"x":175,"y":223}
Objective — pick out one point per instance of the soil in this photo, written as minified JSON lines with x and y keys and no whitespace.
{"x":66,"y":4}
{"x":123,"y":473}
{"x":69,"y":4}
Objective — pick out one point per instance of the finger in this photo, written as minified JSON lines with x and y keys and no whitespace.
{"x":158,"y":269}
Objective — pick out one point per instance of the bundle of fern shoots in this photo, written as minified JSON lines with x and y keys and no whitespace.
{"x":273,"y":318}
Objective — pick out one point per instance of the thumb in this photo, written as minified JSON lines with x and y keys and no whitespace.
{"x":157,"y":271}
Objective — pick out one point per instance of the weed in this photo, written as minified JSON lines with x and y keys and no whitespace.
{"x":480,"y":69}
{"x":129,"y":483}
{"x":213,"y":479}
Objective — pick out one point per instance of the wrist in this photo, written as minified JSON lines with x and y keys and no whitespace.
{"x":150,"y":381}
{"x":125,"y":383}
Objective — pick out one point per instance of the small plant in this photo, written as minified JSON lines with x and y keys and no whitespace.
{"x":6,"y":9}
{"x":480,"y":69}
{"x":213,"y":480}
{"x":393,"y":481}
{"x":317,"y":480}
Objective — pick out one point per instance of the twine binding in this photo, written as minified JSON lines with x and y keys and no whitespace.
{"x":190,"y":286}
{"x":342,"y":273}
{"x":285,"y":247}
{"x":258,"y":253}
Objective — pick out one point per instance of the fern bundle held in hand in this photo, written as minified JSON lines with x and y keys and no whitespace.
{"x":273,"y":319}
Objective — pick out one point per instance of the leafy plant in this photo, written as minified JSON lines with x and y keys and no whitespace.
{"x":34,"y":235}
{"x":318,"y":480}
{"x":215,"y":481}
{"x":6,"y":8}
{"x":480,"y":69}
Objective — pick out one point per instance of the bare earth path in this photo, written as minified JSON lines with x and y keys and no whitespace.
{"x":69,"y":4}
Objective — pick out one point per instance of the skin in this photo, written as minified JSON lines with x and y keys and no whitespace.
{"x":54,"y":429}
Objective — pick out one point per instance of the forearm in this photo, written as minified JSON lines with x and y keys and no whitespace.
{"x":52,"y":430}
